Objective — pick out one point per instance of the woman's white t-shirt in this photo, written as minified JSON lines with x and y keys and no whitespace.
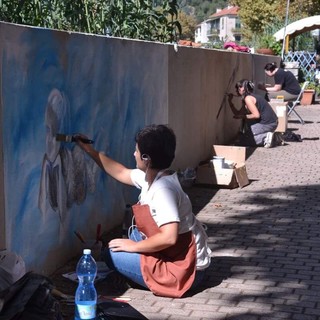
{"x":169,"y":203}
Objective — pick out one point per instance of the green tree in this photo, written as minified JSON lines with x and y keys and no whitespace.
{"x":188,"y":25}
{"x":307,"y":8}
{"x":255,"y":15}
{"x":137,"y":19}
{"x":258,"y":16}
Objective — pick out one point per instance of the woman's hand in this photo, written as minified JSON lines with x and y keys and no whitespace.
{"x":230,"y":96}
{"x":122,"y":245}
{"x":86,"y":145}
{"x":166,"y":237}
{"x":84,"y":142}
{"x":262,"y":86}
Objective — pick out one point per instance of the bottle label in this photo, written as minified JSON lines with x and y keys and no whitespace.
{"x":86,"y":310}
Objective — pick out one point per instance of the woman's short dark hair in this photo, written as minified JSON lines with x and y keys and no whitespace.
{"x":270,"y":66}
{"x":158,"y":142}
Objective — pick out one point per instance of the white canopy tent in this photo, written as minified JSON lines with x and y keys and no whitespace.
{"x":295,"y":28}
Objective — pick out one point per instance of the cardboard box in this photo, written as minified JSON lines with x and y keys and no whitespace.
{"x":281,"y":110}
{"x":226,"y":177}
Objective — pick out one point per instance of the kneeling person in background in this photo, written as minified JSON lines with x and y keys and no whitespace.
{"x":260,"y":121}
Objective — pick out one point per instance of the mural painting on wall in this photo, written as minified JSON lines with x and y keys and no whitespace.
{"x":59,"y":83}
{"x":66,"y":175}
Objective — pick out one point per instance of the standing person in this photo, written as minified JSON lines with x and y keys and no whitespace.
{"x":286,"y":84}
{"x":167,"y":251}
{"x":260,"y":120}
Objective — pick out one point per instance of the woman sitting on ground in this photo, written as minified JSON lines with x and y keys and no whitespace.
{"x":167,"y":250}
{"x":286,"y":84}
{"x":260,"y":121}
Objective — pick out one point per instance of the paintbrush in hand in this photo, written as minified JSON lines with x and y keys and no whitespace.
{"x":71,"y":138}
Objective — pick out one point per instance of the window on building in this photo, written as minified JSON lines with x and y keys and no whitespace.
{"x":238,"y":24}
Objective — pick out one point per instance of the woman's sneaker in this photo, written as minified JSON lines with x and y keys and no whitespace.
{"x":268,"y":140}
{"x":278,"y":139}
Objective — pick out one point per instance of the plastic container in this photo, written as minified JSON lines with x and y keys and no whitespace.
{"x":86,"y":294}
{"x":12,"y":266}
{"x":218,"y":162}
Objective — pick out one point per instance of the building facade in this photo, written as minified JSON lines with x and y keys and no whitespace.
{"x":224,"y":25}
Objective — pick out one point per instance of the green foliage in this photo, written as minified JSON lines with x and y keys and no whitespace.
{"x":313,"y":86}
{"x":308,"y":8}
{"x":277,"y":48}
{"x":269,"y":41}
{"x":302,"y":42}
{"x":137,"y":19}
{"x":188,"y":25}
{"x":313,"y":83}
{"x":218,"y":44}
{"x":255,"y":15}
{"x":266,"y":41}
{"x":259,"y":15}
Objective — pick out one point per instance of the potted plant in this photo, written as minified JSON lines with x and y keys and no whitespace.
{"x":267,"y":44}
{"x":309,"y":93}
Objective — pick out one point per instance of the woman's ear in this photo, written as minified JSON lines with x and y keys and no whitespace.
{"x":145,"y":157}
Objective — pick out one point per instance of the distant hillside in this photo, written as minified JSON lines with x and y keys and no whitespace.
{"x":201,"y":9}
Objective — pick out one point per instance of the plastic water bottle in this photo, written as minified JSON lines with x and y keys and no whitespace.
{"x":86,"y":294}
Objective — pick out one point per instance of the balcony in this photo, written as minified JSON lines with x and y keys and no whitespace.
{"x":213,"y":32}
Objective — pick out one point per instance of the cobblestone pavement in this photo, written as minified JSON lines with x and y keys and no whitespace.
{"x":264,"y":239}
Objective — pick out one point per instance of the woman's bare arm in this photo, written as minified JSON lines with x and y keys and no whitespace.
{"x":110,"y":166}
{"x":251,"y":105}
{"x":167,"y":237}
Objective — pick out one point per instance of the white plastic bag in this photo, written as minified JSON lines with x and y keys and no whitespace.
{"x":12,"y":268}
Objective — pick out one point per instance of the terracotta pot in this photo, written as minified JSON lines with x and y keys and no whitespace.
{"x":307,"y":97}
{"x":265,"y":51}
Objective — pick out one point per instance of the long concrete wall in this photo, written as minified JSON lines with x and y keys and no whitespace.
{"x":198,"y":108}
{"x":59,"y":82}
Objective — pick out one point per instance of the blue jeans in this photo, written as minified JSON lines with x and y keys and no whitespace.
{"x":128,"y":263}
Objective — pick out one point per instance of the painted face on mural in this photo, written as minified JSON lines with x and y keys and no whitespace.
{"x":54,"y":121}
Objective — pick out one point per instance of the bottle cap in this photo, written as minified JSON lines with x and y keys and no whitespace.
{"x":86,"y":251}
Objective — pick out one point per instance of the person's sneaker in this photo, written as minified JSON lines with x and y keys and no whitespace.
{"x":268,"y":140}
{"x":278,"y":139}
